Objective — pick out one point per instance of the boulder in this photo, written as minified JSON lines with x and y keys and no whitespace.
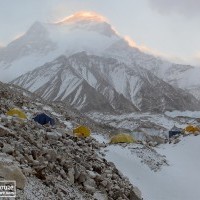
{"x":90,"y":182}
{"x":51,"y":155}
{"x":104,"y":183}
{"x":82,"y":177}
{"x":135,"y":194}
{"x":70,"y":175}
{"x":13,"y":172}
{"x":7,"y":148}
{"x":89,"y":189}
{"x":53,"y":135}
{"x":4,"y":132}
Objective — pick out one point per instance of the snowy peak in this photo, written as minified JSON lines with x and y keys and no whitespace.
{"x":90,"y":21}
{"x":83,"y":16}
{"x":37,"y":27}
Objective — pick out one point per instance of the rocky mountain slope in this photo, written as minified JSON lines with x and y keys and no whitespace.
{"x":49,"y":162}
{"x":96,"y":83}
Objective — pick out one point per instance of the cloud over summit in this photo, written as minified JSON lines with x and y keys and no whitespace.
{"x":183,"y":7}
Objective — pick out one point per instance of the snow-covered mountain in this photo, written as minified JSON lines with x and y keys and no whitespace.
{"x":185,"y":77}
{"x":86,"y":31}
{"x":44,"y":42}
{"x":139,"y":86}
{"x":92,"y":82}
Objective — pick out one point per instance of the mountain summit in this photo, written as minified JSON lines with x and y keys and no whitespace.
{"x":83,"y":16}
{"x":44,"y":42}
{"x":90,"y":21}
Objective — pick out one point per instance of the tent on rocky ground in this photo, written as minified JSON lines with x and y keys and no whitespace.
{"x":82,"y":131}
{"x":175,"y":131}
{"x":191,"y":129}
{"x":44,"y":119}
{"x":122,"y":138}
{"x":17,"y":112}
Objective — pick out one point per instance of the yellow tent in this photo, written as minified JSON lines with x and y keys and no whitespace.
{"x":122,"y":138}
{"x":17,"y":112}
{"x":82,"y":131}
{"x":192,"y":129}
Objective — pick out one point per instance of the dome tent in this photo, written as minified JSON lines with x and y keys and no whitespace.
{"x":82,"y":131}
{"x":192,"y":129}
{"x":122,"y":138}
{"x":17,"y":112}
{"x":44,"y":119}
{"x":175,"y":131}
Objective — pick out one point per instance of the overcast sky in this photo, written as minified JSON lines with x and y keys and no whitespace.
{"x":165,"y":27}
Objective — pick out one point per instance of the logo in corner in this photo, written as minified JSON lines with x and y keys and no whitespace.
{"x":7,"y":188}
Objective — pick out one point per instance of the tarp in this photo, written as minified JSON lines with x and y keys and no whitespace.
{"x":82,"y":131}
{"x":44,"y":119}
{"x":17,"y":112}
{"x":122,"y":138}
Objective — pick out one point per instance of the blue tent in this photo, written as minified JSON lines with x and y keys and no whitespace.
{"x":44,"y":119}
{"x":175,"y":131}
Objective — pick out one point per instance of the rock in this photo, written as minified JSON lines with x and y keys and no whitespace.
{"x":89,"y":189}
{"x":152,"y":144}
{"x":91,"y":174}
{"x":78,"y":159}
{"x":29,"y":158}
{"x":158,"y":139}
{"x":4,"y":132}
{"x":117,"y":193}
{"x":86,"y":165}
{"x":104,"y":183}
{"x":98,"y":178}
{"x":7,"y":149}
{"x":76,"y":172}
{"x":41,"y":159}
{"x":27,"y":171}
{"x":63,"y":174}
{"x":13,"y":172}
{"x":51,"y":155}
{"x":98,"y":195}
{"x":36,"y":163}
{"x":70,"y":175}
{"x":133,"y":195}
{"x":137,"y":192}
{"x":82,"y":177}
{"x":177,"y":141}
{"x":90,"y":182}
{"x":53,"y":135}
{"x":68,"y":164}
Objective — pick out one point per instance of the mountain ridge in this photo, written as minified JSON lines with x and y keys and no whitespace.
{"x":124,"y":88}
